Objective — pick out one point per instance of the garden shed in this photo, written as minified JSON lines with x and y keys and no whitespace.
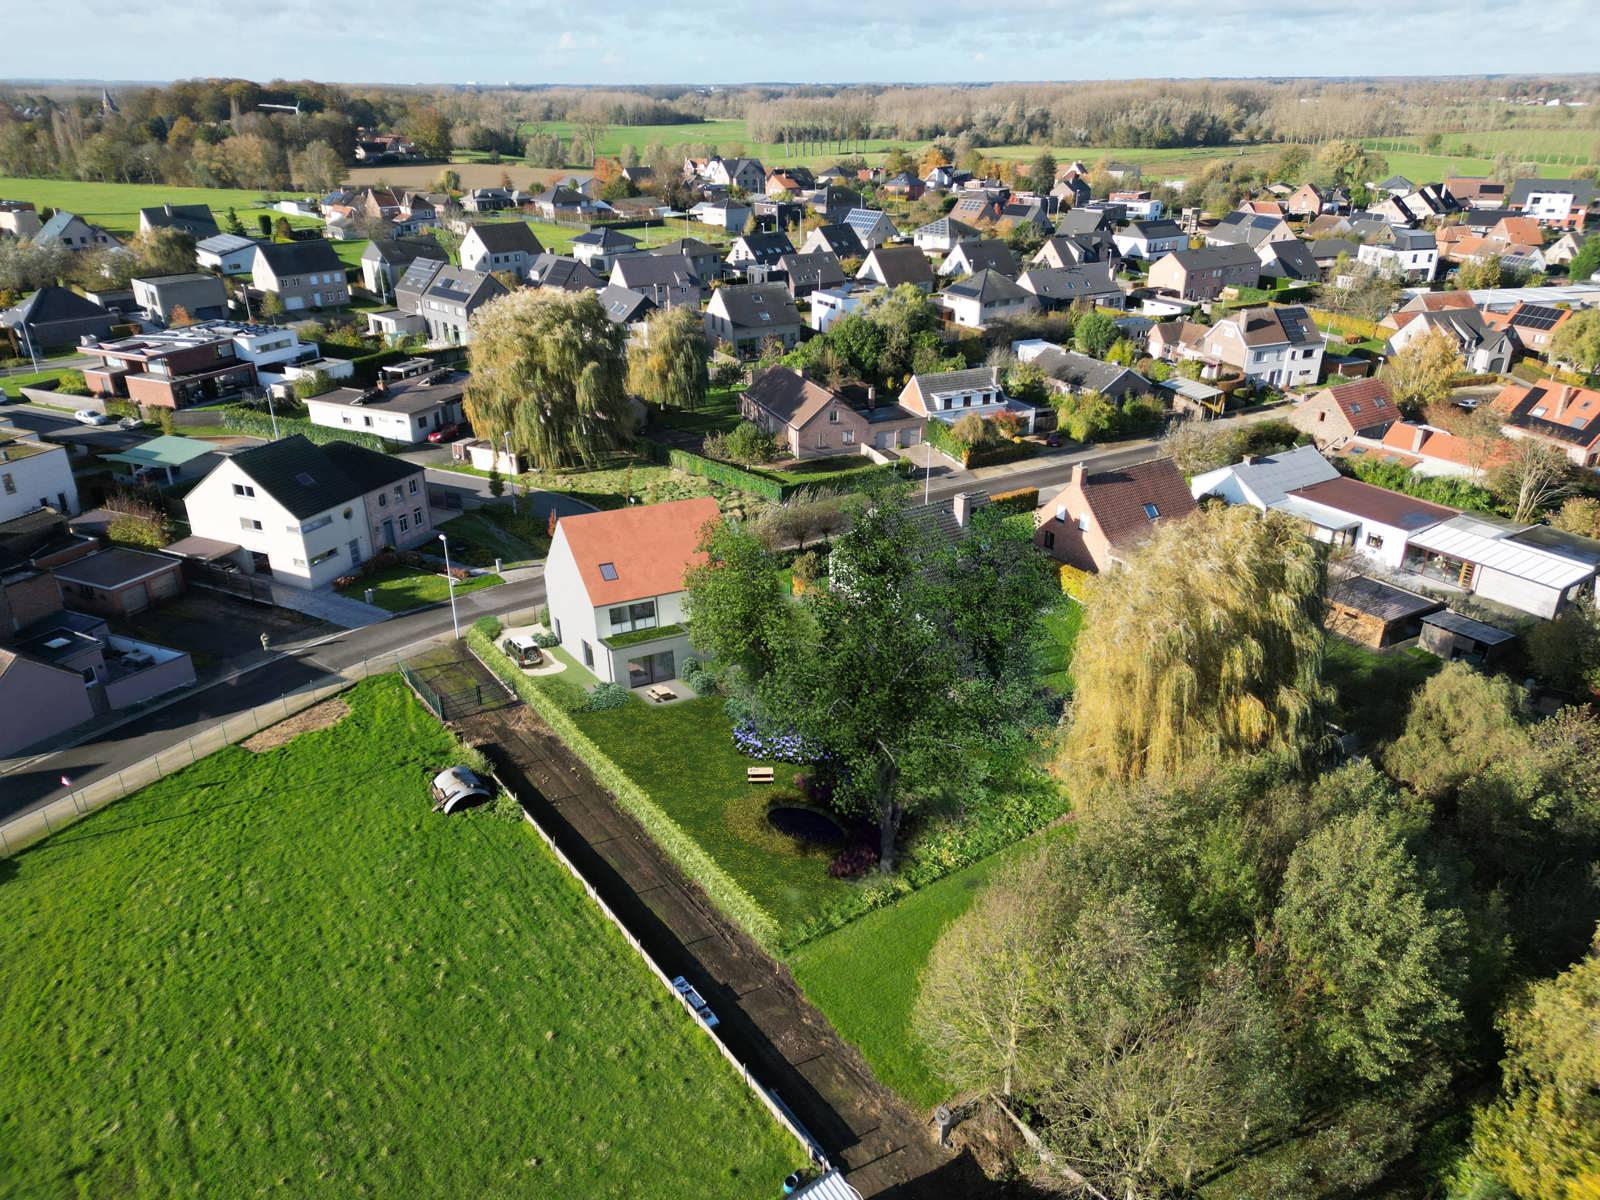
{"x":1375,"y":613}
{"x":1451,"y":635}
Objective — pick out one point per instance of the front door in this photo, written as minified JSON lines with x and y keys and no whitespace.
{"x":355,"y":551}
{"x":388,"y":531}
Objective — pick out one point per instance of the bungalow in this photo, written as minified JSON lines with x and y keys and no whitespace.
{"x":490,"y":199}
{"x":1276,"y":346}
{"x":872,"y":227}
{"x":500,"y":246}
{"x":942,"y":236}
{"x":599,"y":249}
{"x":19,"y":219}
{"x":805,"y":273}
{"x":563,"y":273}
{"x":301,"y":274}
{"x":54,"y":316}
{"x":226,"y":254}
{"x":615,"y":582}
{"x":667,"y":281}
{"x":307,"y":514}
{"x":1061,"y":287}
{"x":743,"y":316}
{"x":813,"y":421}
{"x":1557,"y":414}
{"x":1475,"y":191}
{"x":1433,"y":452}
{"x":950,"y":395}
{"x":984,"y":254}
{"x":1073,"y":373}
{"x":194,"y":219}
{"x":1487,"y":557}
{"x":1248,"y":229}
{"x":892,"y":266}
{"x":1097,"y":520}
{"x":840,"y":240}
{"x":975,"y":301}
{"x":1363,"y":409}
{"x":1150,"y":240}
{"x":416,"y":410}
{"x":1203,"y":274}
{"x":1562,"y":203}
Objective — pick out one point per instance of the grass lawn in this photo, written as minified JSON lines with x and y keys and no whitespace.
{"x":683,"y":755}
{"x":842,"y":471}
{"x":719,"y":413}
{"x":1372,"y":690}
{"x":478,"y":537}
{"x":115,"y":206}
{"x":864,"y":977}
{"x":349,"y":251}
{"x":609,"y":487}
{"x":1061,"y":624}
{"x":12,"y":385}
{"x":243,"y":980}
{"x":400,"y":588}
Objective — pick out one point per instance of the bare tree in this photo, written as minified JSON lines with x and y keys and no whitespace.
{"x":1534,"y":478}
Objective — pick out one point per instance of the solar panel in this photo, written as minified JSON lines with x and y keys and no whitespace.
{"x":1537,"y":317}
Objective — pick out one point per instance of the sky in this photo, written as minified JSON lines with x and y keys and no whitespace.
{"x":825,"y":41}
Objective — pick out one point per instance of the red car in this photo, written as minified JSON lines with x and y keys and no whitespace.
{"x":444,"y":433}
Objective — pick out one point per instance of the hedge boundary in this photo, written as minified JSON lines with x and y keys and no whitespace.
{"x":256,"y":424}
{"x":687,"y":854}
{"x":756,"y":483}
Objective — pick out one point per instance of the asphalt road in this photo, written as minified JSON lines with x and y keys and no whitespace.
{"x":59,"y":427}
{"x":38,"y":781}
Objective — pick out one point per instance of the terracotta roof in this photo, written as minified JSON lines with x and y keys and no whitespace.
{"x":788,"y":395}
{"x":1557,"y":411}
{"x":1364,"y":403}
{"x":1122,"y":499}
{"x":1519,"y":229}
{"x":646,"y":548}
{"x":1440,"y":444}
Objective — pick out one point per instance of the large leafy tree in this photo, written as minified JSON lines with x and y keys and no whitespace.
{"x":548,"y":367}
{"x":1208,"y":646}
{"x":1578,"y":340}
{"x":1420,"y":372}
{"x":669,"y":367}
{"x":1370,"y":957}
{"x":737,"y":609}
{"x":1460,"y":722}
{"x":1541,"y":1138}
{"x":994,"y":587}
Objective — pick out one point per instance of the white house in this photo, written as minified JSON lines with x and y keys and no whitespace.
{"x":307,"y":514}
{"x":987,"y":296}
{"x":34,"y":475}
{"x":501,"y":246}
{"x":226,"y":252}
{"x":1409,"y":253}
{"x":1150,"y":240}
{"x":615,"y":586}
{"x":1276,"y":346}
{"x":425,"y":407}
{"x":1559,"y":202}
{"x":950,"y":395}
{"x":874,"y":228}
{"x":829,"y":304}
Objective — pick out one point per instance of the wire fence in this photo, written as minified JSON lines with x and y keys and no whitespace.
{"x":26,"y":828}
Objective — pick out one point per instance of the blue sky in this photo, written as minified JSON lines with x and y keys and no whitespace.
{"x":720,"y":41}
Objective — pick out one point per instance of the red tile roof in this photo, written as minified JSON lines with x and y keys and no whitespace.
{"x":1118,"y":499}
{"x":648,"y":547}
{"x":1364,"y":403}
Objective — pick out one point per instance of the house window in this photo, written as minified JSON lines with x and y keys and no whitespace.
{"x":413,"y":487}
{"x":1151,"y":511}
{"x":249,"y":523}
{"x":848,"y":437}
{"x":588,"y":655}
{"x":833,"y":416}
{"x":383,"y":499}
{"x":1374,"y":541}
{"x":313,"y":526}
{"x":416,"y":517}
{"x":325,"y":556}
{"x":1083,"y":523}
{"x":1049,"y":539}
{"x":10,"y":484}
{"x":608,"y":572}
{"x":243,"y":489}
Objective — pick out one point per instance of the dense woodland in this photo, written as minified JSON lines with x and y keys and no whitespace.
{"x":214,"y":132}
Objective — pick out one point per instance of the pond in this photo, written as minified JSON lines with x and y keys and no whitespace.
{"x":805,"y":824}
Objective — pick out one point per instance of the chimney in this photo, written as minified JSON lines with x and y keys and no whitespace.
{"x":1419,"y":434}
{"x":1078,"y":474}
{"x":963,"y":508}
{"x":1248,"y":460}
{"x":1563,"y":394}
{"x":872,"y":393}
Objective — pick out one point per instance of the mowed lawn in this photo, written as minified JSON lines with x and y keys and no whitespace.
{"x":115,"y":206}
{"x":400,"y":588}
{"x":281,"y":973}
{"x":865,"y":976}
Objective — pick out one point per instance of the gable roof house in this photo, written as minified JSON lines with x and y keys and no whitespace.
{"x":1096,"y":520}
{"x":1561,"y":203}
{"x":1084,"y":219}
{"x":1305,"y":201}
{"x":1276,"y":346}
{"x":1475,"y":191}
{"x":1073,"y":250}
{"x":1071,"y":372}
{"x":1535,"y":325}
{"x":599,"y":248}
{"x":987,"y":296}
{"x":1203,"y":274}
{"x":450,"y":299}
{"x":942,"y":236}
{"x":564,"y":202}
{"x":840,"y":240}
{"x":615,"y":582}
{"x":806,"y":273}
{"x":73,"y":232}
{"x":756,"y":255}
{"x":624,"y":306}
{"x":563,"y":273}
{"x":310,"y":513}
{"x":1150,"y":240}
{"x":411,"y":409}
{"x":833,"y":202}
{"x":704,"y":260}
{"x":1486,"y":350}
{"x":724,"y":213}
{"x":500,"y":246}
{"x":1336,"y":414}
{"x":872,"y":227}
{"x":1288,"y":260}
{"x":746,"y":174}
{"x":19,"y":219}
{"x":384,"y":260}
{"x":1057,"y":288}
{"x":54,"y":316}
{"x":811,"y":420}
{"x":1557,"y":414}
{"x":981,"y":254}
{"x":194,"y":219}
{"x":742,"y":316}
{"x":891,"y":266}
{"x":950,"y":395}
{"x":1565,"y":248}
{"x":980,"y":209}
{"x":668,"y":281}
{"x":303,"y":274}
{"x":1429,"y":451}
{"x":1248,"y":229}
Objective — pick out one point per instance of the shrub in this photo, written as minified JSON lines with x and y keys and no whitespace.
{"x":72,"y":383}
{"x":747,"y":445}
{"x":505,"y":807}
{"x":1019,"y":500}
{"x":700,"y":679}
{"x":749,"y":739}
{"x":607,"y":696}
{"x":546,"y":640}
{"x":853,"y":862}
{"x":488,"y":626}
{"x":807,"y":568}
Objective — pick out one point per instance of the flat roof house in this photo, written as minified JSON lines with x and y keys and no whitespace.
{"x":200,"y":294}
{"x":34,"y":475}
{"x":1484,"y":557}
{"x":307,"y":514}
{"x":400,"y":410}
{"x":615,"y":586}
{"x":227,"y":253}
{"x":172,"y":368}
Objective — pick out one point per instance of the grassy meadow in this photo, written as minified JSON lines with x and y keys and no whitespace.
{"x":115,"y":206}
{"x":281,"y":973}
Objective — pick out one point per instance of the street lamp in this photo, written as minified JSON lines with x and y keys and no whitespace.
{"x":510,"y":469}
{"x":450,"y":582}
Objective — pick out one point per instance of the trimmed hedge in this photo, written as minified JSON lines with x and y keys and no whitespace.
{"x":1021,"y":500}
{"x":686,"y":853}
{"x":725,"y":473}
{"x":244,"y":420}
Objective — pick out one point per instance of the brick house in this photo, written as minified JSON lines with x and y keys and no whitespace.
{"x":1096,"y":520}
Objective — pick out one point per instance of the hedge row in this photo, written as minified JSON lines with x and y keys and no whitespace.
{"x":725,"y":473}
{"x":689,"y":856}
{"x":244,"y":420}
{"x":1020,"y":500}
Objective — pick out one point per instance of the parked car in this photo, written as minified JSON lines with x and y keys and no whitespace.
{"x":88,"y":416}
{"x":456,"y":788}
{"x":445,"y":433}
{"x":129,"y":423}
{"x":522,"y":650}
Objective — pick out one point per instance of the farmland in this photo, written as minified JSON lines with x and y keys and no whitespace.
{"x":115,"y":206}
{"x":258,"y":975}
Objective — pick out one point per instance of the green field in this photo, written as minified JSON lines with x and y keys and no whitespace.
{"x":1372,"y":690}
{"x":115,"y":206}
{"x":261,"y":976}
{"x":864,"y":977}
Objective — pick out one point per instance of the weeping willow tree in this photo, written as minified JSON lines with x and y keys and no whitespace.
{"x":669,"y":367}
{"x":1206,"y":647}
{"x":548,"y":368}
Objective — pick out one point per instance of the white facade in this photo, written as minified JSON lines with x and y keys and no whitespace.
{"x":1407,"y":263}
{"x":32,"y":476}
{"x":829,"y":304}
{"x":229,"y":506}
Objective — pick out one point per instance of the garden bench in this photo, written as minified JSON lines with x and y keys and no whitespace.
{"x":758,"y":775}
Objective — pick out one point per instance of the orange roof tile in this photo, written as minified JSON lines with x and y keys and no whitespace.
{"x":646,"y":548}
{"x":1438,"y":444}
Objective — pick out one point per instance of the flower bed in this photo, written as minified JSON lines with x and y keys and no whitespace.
{"x":783,"y":747}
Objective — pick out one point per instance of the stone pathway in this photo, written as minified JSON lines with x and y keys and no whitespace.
{"x":328,"y":606}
